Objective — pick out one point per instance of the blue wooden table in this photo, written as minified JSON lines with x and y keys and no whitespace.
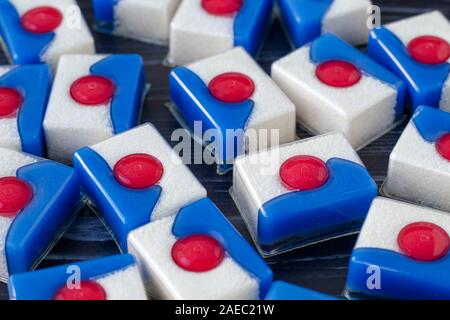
{"x":322,"y":267}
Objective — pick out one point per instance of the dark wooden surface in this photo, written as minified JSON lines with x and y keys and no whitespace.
{"x":322,"y":267}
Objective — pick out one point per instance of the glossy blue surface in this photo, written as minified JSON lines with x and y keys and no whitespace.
{"x":122,"y":208}
{"x":344,"y":200}
{"x":281,"y":290}
{"x":431,"y":123}
{"x":23,"y":47}
{"x":34,"y":83}
{"x":320,"y":52}
{"x":424,"y":82}
{"x":43,"y":284}
{"x":195,"y":103}
{"x":251,"y":24}
{"x":55,"y":195}
{"x":104,"y":10}
{"x":203,"y":217}
{"x":127,"y":73}
{"x":400,"y":276}
{"x":303,"y":19}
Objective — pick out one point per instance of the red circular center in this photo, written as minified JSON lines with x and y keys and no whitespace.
{"x":138,"y":171}
{"x":303,"y":173}
{"x":222,"y":7}
{"x":92,"y":90}
{"x":423,"y":241}
{"x":197,"y":253}
{"x":443,"y":146}
{"x":41,"y":20}
{"x":232,"y":87}
{"x":88,"y":290}
{"x":10,"y":101}
{"x":429,"y":49}
{"x":15,"y":194}
{"x":340,"y":74}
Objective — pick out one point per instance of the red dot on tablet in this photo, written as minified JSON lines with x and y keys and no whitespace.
{"x":197,"y":253}
{"x":429,"y":49}
{"x":138,"y":171}
{"x":222,"y":7}
{"x":423,"y":241}
{"x":92,"y":90}
{"x":87,"y":290}
{"x":15,"y":195}
{"x":10,"y":102}
{"x":41,"y":20}
{"x":340,"y":74}
{"x":232,"y":87}
{"x":443,"y":146}
{"x":304,"y":173}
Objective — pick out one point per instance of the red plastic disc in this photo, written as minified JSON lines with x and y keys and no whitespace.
{"x":41,"y":20}
{"x":10,"y":102}
{"x":92,"y":90}
{"x":197,"y":253}
{"x":423,"y":241}
{"x":231,"y":87}
{"x":340,"y":74}
{"x":138,"y":171}
{"x":304,"y":173}
{"x":15,"y":195}
{"x":443,"y":146}
{"x":88,"y":290}
{"x":222,"y":7}
{"x":429,"y":49}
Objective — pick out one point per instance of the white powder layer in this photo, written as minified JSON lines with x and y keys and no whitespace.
{"x":444,"y":104}
{"x":362,"y":112}
{"x":179,"y":185}
{"x":145,"y":20}
{"x":417,"y":172}
{"x":348,"y":20}
{"x":272,"y":109}
{"x":72,"y":36}
{"x":152,"y":245}
{"x":195,"y":34}
{"x":9,"y":130}
{"x":124,"y":284}
{"x":386,"y":218}
{"x":256,"y":177}
{"x":11,"y":161}
{"x":69,"y":125}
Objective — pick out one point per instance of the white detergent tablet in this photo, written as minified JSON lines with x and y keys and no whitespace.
{"x":37,"y":200}
{"x":35,"y":31}
{"x":110,"y":278}
{"x":419,"y":165}
{"x":302,"y":193}
{"x":203,"y":28}
{"x":231,"y":93}
{"x":135,"y":178}
{"x":417,"y":49}
{"x":93,"y":98}
{"x":198,"y":255}
{"x":340,"y":90}
{"x":401,"y":253}
{"x":306,"y":20}
{"x":145,"y":20}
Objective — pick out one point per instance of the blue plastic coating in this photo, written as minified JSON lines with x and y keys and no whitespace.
{"x":203,"y":217}
{"x":344,"y":200}
{"x":44,"y":284}
{"x":123,"y":209}
{"x":55,"y":194}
